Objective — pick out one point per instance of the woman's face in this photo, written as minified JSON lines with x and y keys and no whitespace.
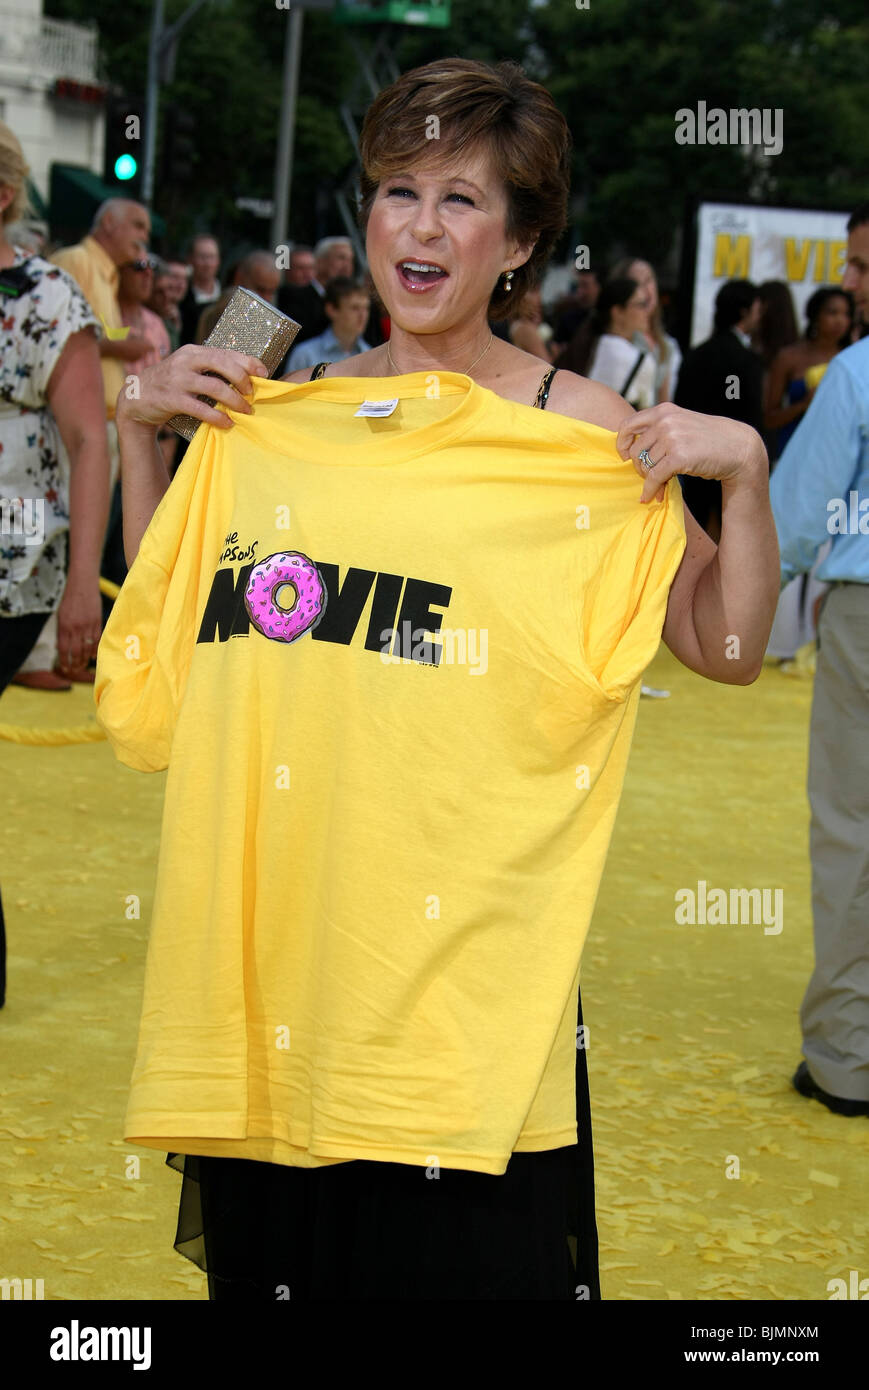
{"x":631,"y":317}
{"x":452,"y":218}
{"x":644,"y":275}
{"x":136,"y":283}
{"x":834,"y":320}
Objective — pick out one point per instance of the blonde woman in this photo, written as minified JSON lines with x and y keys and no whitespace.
{"x":54,"y":461}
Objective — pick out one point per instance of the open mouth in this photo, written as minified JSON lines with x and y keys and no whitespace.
{"x":419,"y":276}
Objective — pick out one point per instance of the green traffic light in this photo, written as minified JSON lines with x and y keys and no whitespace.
{"x":126,"y":167}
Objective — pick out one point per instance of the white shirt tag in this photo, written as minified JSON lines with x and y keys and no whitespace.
{"x":378,"y":408}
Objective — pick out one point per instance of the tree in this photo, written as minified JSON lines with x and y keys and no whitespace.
{"x":619,"y":70}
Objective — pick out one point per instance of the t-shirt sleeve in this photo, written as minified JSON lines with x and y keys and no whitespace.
{"x":145,"y":652}
{"x":624,"y":601}
{"x":55,"y":314}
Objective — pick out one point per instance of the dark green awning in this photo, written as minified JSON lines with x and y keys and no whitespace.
{"x":75,"y":193}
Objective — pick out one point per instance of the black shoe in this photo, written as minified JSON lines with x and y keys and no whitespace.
{"x":804,"y":1082}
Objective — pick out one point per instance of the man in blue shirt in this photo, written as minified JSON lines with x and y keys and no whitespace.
{"x":820,"y":489}
{"x":347,"y":305}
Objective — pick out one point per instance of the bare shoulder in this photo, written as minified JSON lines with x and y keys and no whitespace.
{"x":580,"y":399}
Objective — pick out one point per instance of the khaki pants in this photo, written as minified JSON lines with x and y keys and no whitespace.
{"x":835,"y":1011}
{"x":44,"y":654}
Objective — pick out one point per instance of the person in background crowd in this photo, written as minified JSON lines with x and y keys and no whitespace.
{"x":135,"y":289}
{"x":527,"y":329}
{"x":180,"y":273}
{"x":723,"y":376}
{"x":51,"y":400}
{"x":302,"y":266}
{"x":827,"y":459}
{"x":777,"y":326}
{"x":204,"y":286}
{"x":796,"y":370}
{"x":255,"y":271}
{"x":617,"y":361}
{"x":164,"y":304}
{"x":572,"y":311}
{"x":776,"y":329}
{"x":120,"y":233}
{"x":333,"y":257}
{"x":653,"y":336}
{"x":30,"y":234}
{"x":347,"y":306}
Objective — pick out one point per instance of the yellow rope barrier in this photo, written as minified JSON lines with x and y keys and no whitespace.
{"x":18,"y":733}
{"x":56,"y":738}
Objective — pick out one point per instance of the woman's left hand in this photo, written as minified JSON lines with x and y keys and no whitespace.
{"x":79,"y":622}
{"x":684,"y":441}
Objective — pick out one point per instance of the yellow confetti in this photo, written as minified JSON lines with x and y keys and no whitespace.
{"x":825,"y":1179}
{"x":749,"y":1074}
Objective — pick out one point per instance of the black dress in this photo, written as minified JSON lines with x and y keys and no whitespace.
{"x":264,"y":1232}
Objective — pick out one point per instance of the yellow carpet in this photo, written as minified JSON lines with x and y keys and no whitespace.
{"x":693,"y":1030}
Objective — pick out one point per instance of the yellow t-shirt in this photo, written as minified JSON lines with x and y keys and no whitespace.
{"x":97,"y":276}
{"x":389,"y":799}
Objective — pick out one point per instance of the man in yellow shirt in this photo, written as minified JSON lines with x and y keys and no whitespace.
{"x":119,"y":234}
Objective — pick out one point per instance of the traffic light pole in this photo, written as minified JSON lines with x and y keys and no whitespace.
{"x":161,"y":65}
{"x":151,"y":103}
{"x":287,"y":127}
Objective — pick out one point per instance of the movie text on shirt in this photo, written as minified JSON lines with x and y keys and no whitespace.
{"x":400,"y":604}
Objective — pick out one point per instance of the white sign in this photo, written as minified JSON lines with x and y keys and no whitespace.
{"x":260,"y":207}
{"x":805,"y":249}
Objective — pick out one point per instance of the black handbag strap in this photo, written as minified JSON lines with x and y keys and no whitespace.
{"x":633,"y":372}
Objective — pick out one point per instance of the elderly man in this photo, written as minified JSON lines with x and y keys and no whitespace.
{"x":204,"y":287}
{"x":119,"y":236}
{"x":333,"y":257}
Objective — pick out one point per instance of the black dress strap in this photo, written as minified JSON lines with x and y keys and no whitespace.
{"x":543,"y":393}
{"x":318,"y":371}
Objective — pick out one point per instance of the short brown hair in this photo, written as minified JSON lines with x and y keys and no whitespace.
{"x":478,"y":105}
{"x":340,"y":287}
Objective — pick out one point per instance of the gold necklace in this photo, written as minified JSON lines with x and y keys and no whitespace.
{"x":469,"y":370}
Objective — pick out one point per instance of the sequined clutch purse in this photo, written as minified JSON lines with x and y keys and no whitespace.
{"x":248,"y":324}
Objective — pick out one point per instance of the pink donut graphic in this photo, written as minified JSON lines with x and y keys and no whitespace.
{"x":279,"y":623}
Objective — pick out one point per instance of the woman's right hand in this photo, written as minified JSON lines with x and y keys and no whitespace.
{"x":174,"y":385}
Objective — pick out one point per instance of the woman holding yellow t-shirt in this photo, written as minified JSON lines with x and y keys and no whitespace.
{"x":379,"y":1182}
